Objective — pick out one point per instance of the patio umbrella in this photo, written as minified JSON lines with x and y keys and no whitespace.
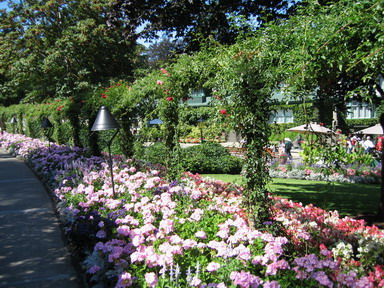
{"x":311,"y":128}
{"x":155,"y":121}
{"x":373,"y":130}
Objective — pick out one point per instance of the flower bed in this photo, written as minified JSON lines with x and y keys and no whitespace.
{"x":194,"y":233}
{"x":348,"y":174}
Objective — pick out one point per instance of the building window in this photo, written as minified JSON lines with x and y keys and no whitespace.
{"x":360,"y":110}
{"x":282,"y":116}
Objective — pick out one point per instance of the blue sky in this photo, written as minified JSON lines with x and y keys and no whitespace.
{"x":3,"y":4}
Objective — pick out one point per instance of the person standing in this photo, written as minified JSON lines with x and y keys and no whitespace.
{"x":288,"y":146}
{"x":368,"y":145}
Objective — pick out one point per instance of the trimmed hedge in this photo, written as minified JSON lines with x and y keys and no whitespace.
{"x":207,"y":158}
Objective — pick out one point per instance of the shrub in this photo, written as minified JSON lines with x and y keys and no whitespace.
{"x":155,"y":153}
{"x":210,"y":158}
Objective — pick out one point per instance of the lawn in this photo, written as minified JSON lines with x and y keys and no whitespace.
{"x":348,"y":199}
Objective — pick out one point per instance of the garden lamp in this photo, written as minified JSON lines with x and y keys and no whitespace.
{"x":13,"y":122}
{"x":106,"y":121}
{"x":46,"y":125}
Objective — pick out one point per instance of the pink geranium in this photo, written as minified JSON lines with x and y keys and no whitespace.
{"x":213,"y":267}
{"x":151,"y":279}
{"x":351,"y":172}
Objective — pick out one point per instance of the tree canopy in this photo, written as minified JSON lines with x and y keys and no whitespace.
{"x":192,"y":20}
{"x":59,"y":49}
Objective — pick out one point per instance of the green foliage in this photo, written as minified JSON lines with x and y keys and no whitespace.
{"x":154,"y":153}
{"x":210,"y":158}
{"x":334,"y":155}
{"x":194,"y":21}
{"x":59,"y":49}
{"x":205,"y":158}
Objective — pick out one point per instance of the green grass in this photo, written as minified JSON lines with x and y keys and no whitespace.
{"x":347,"y":199}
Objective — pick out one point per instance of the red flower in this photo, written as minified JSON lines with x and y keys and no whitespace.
{"x":223,"y":111}
{"x":59,"y":108}
{"x":162,"y":70}
{"x":169,"y":98}
{"x":321,"y":124}
{"x":103,"y":96}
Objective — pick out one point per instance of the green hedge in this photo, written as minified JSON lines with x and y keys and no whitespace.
{"x":210,"y":158}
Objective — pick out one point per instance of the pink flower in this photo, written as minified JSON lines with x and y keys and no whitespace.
{"x":351,"y":172}
{"x":201,"y":235}
{"x":213,"y":267}
{"x":151,"y":279}
{"x":272,"y":284}
{"x":123,"y":230}
{"x":169,"y":98}
{"x":159,"y":82}
{"x":137,"y":240}
{"x":308,"y":171}
{"x":243,"y":253}
{"x":189,"y":243}
{"x":273,"y":268}
{"x":167,"y":226}
{"x":245,"y":279}
{"x":125,"y":280}
{"x":162,"y":70}
{"x":222,"y":234}
{"x":196,"y":216}
{"x":195,"y":281}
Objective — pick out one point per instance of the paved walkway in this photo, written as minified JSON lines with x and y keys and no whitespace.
{"x":32,"y":247}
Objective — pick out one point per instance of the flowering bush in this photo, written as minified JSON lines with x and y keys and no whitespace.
{"x":349,"y":174}
{"x":194,"y":233}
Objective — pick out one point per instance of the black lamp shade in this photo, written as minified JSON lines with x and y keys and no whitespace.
{"x":13,"y":120}
{"x":46,"y":123}
{"x":104,"y":120}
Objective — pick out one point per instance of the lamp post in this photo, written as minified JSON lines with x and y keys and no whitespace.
{"x":106,"y":121}
{"x":46,"y":125}
{"x":201,"y":126}
{"x":13,"y":122}
{"x":1,"y":127}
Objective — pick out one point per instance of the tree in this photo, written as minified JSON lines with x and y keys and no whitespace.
{"x":192,"y":20}
{"x":162,"y":52}
{"x":60,"y":49}
{"x":336,"y":49}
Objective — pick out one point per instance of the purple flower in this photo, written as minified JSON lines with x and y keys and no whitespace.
{"x":125,"y":280}
{"x":245,"y":279}
{"x":322,"y":278}
{"x":272,"y":284}
{"x":101,"y":234}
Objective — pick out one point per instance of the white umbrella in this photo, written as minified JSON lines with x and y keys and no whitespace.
{"x":311,"y":128}
{"x":373,"y":130}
